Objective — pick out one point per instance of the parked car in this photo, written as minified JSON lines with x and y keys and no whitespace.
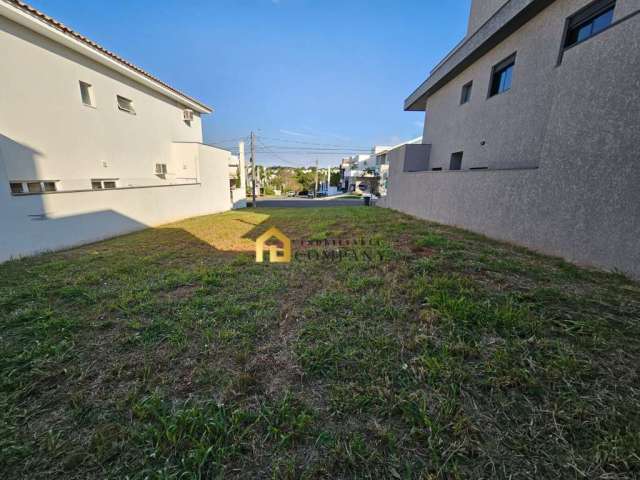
{"x":303,"y":193}
{"x":291,"y":194}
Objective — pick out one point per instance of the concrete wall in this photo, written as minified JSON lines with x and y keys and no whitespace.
{"x":571,"y":131}
{"x":51,"y":221}
{"x":481,"y":11}
{"x":512,"y":124}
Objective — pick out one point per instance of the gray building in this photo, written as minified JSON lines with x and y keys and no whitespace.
{"x":532,"y":131}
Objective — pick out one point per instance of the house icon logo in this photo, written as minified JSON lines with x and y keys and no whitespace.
{"x":277,"y":254}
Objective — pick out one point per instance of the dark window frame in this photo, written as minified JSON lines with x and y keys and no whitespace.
{"x":496,"y":72}
{"x":98,"y":184}
{"x":13,"y":186}
{"x":583,"y":17}
{"x":86,"y":87}
{"x":466,"y":92}
{"x":35,"y":187}
{"x":125,"y":105}
{"x":457,"y":158}
{"x":49,"y":186}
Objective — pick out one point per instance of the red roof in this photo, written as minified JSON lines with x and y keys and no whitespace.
{"x":72,"y":33}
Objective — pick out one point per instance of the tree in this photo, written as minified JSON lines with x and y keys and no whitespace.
{"x":334,"y":180}
{"x":288,"y":180}
{"x":307,"y":180}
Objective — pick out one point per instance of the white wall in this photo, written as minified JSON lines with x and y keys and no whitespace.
{"x":35,"y":223}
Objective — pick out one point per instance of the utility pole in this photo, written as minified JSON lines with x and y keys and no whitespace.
{"x":315,"y":192}
{"x":253,"y":168}
{"x":328,"y":180}
{"x":242,"y":181}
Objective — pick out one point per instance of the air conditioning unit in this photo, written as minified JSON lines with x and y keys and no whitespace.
{"x":161,"y":168}
{"x":187,"y":115}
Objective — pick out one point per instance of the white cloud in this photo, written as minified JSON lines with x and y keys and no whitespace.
{"x":295,"y":134}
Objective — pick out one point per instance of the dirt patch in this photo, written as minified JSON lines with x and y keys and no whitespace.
{"x":181,"y":293}
{"x":423,"y":251}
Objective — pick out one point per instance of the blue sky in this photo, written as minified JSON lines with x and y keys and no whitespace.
{"x":302,"y":73}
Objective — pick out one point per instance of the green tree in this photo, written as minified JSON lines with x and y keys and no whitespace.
{"x":307,"y":180}
{"x":334,"y":180}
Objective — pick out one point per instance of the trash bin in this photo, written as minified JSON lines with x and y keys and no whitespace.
{"x":367,"y":200}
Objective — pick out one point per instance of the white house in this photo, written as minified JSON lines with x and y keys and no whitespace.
{"x":352,"y":168}
{"x":368,"y":173}
{"x":382,"y":163}
{"x":92,"y":146}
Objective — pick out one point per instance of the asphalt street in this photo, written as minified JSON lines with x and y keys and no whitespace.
{"x":310,"y":202}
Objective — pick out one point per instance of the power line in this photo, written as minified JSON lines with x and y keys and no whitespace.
{"x":306,"y":152}
{"x":220,"y":142}
{"x":318,"y":143}
{"x":273,"y":153}
{"x":314,"y":149}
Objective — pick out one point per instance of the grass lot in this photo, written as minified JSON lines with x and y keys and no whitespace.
{"x":170,"y":353}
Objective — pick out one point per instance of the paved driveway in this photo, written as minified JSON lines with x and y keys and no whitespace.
{"x":310,"y":202}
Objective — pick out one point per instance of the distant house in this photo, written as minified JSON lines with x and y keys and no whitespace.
{"x":533,"y":133}
{"x":92,"y":146}
{"x":382,"y":163}
{"x":368,"y":173}
{"x":352,"y":168}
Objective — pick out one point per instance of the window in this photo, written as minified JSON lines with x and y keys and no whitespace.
{"x":125,"y":105}
{"x":16,"y":187}
{"x":465,"y":96}
{"x":86,"y":93}
{"x":589,"y":21}
{"x":436,"y":169}
{"x":502,"y":76}
{"x":456,"y":161}
{"x":34,"y":187}
{"x":103,"y":184}
{"x":161,"y":168}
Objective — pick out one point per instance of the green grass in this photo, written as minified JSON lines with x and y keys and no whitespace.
{"x":171,"y":354}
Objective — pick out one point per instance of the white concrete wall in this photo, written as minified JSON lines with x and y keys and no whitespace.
{"x":52,"y":221}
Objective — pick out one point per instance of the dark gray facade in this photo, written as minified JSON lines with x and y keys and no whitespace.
{"x":553,"y":162}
